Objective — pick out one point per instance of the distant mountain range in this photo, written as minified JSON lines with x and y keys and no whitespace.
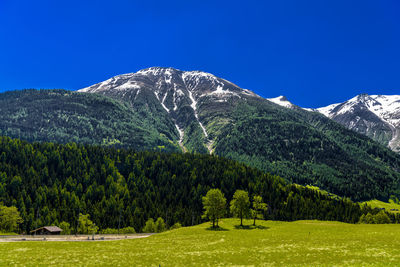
{"x":171,"y":110}
{"x":376,"y":116}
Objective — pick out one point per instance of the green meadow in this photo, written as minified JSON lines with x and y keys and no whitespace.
{"x":273,"y":243}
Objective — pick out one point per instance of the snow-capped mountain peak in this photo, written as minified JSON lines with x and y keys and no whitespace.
{"x":177,"y":91}
{"x":377,"y":116}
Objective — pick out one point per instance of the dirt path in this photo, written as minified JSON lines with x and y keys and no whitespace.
{"x":70,"y":238}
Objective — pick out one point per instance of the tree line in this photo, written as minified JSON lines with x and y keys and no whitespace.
{"x":51,"y":183}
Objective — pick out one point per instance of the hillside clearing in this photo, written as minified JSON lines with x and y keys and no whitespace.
{"x":389,"y":207}
{"x":274,"y":243}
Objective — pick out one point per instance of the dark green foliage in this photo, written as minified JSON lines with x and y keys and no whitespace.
{"x":379,"y":218}
{"x":300,"y":146}
{"x":51,"y":183}
{"x":160,"y":225}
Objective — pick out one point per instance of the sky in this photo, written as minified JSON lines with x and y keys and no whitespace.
{"x":314,"y":52}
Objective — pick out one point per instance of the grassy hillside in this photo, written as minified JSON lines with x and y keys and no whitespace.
{"x":312,"y":243}
{"x":390,"y":207}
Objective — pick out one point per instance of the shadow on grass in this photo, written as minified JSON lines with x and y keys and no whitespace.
{"x":250,"y":227}
{"x":216,"y":229}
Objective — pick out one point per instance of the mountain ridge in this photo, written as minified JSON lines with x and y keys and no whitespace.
{"x":376,"y":116}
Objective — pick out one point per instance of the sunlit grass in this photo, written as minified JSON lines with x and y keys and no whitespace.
{"x":274,"y":243}
{"x":390,"y":207}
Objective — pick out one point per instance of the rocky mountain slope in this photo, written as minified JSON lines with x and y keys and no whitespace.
{"x":377,"y":116}
{"x":182,"y":97}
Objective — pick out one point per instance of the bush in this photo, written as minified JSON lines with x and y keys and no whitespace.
{"x":160,"y":225}
{"x":128,"y":230}
{"x":66,"y":228}
{"x":382,"y":218}
{"x":112,"y":231}
{"x":175,"y":226}
{"x":379,"y":218}
{"x":150,"y":227}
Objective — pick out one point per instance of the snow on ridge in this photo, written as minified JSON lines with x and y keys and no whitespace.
{"x":127,"y":85}
{"x":282,"y":101}
{"x":383,"y":106}
{"x":327,"y":111}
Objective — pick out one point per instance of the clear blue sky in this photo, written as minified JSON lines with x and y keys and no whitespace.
{"x":314,"y":52}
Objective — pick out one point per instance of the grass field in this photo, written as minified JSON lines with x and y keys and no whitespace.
{"x":300,"y":243}
{"x":390,"y":207}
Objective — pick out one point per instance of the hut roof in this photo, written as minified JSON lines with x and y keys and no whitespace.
{"x":51,"y":229}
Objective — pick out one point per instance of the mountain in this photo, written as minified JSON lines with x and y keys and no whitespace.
{"x":376,"y":116}
{"x":213,"y":115}
{"x":172,"y":110}
{"x":185,"y":100}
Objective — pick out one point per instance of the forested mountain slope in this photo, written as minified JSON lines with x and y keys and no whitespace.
{"x":172,"y":110}
{"x":301,"y":146}
{"x":51,"y":183}
{"x":64,"y":116}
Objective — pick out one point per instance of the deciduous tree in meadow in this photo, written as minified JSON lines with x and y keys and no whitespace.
{"x":240,"y":205}
{"x":214,"y":204}
{"x":258,"y":207}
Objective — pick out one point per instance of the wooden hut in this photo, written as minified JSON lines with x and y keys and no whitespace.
{"x":47,"y":230}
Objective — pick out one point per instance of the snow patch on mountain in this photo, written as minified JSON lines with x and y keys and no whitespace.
{"x":282,"y":101}
{"x":385,"y":107}
{"x":327,"y":111}
{"x":174,"y":90}
{"x":194,"y":107}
